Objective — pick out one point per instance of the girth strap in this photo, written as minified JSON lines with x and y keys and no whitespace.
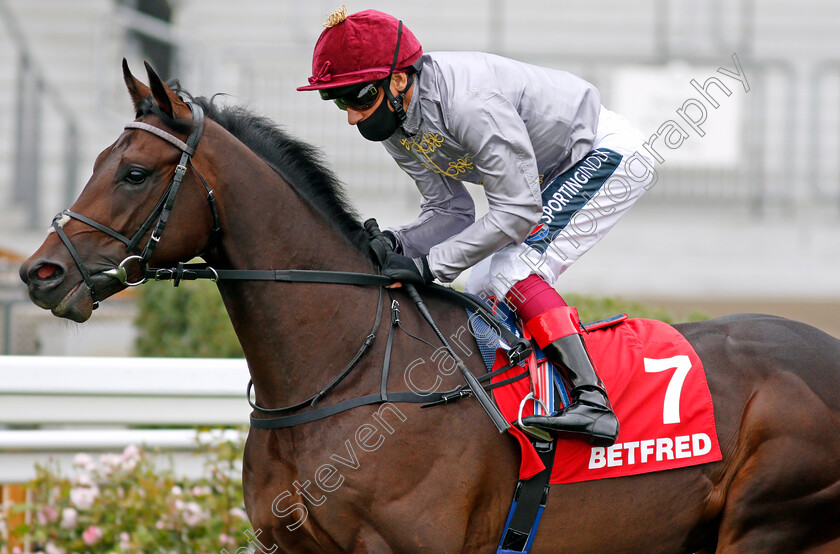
{"x":529,"y":499}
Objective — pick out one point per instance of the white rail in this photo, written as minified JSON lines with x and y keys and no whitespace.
{"x":54,"y":407}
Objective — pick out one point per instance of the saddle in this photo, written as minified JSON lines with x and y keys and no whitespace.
{"x":490,"y":340}
{"x":658,"y":389}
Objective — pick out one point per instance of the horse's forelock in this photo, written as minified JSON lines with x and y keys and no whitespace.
{"x":149,"y":107}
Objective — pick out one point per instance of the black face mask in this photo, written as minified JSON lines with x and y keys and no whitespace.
{"x":381,"y":124}
{"x":384,"y":122}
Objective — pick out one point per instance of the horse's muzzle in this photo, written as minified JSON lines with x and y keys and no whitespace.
{"x":52,"y":287}
{"x":44,"y":280}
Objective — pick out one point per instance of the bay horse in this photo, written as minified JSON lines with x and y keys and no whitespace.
{"x":393,"y":477}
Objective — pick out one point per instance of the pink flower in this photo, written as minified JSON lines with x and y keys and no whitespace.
{"x":110,"y":463}
{"x":84,"y":461}
{"x":51,"y":548}
{"x":46,"y":515}
{"x":238,"y":513}
{"x":84,"y":480}
{"x":130,"y":457}
{"x":193,"y":514}
{"x":125,"y":541}
{"x":69,"y":518}
{"x":92,"y":535}
{"x":226,"y":539}
{"x":83,"y":497}
{"x":129,"y":464}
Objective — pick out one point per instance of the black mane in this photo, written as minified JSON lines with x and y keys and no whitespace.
{"x":300,"y":164}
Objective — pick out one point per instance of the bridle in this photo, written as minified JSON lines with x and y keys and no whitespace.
{"x":159,"y":215}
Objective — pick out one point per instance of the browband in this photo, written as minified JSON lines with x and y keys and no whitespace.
{"x":180,"y":144}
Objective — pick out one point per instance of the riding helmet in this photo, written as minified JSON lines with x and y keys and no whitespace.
{"x":359,"y":48}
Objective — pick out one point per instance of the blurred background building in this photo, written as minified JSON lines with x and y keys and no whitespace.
{"x":745,"y":215}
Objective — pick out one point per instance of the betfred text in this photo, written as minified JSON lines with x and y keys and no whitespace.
{"x":642,"y":452}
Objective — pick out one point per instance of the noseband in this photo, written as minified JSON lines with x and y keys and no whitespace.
{"x":160,"y":213}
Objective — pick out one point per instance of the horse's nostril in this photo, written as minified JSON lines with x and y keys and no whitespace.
{"x":46,"y":272}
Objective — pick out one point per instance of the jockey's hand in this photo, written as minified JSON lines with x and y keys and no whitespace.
{"x":384,"y":243}
{"x":407,"y":270}
{"x":391,"y":241}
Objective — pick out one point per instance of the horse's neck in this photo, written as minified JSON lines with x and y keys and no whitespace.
{"x":295,"y":336}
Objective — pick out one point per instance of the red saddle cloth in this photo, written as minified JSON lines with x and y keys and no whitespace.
{"x":658,"y":389}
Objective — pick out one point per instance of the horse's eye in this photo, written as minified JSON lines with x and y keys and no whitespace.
{"x":135,"y":176}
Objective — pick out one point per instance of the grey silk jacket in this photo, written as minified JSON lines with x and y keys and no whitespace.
{"x":502,"y":124}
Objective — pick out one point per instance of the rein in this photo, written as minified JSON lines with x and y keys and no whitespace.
{"x":286,"y":417}
{"x":519,"y":349}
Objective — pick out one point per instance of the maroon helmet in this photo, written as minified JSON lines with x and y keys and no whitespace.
{"x":360,"y":48}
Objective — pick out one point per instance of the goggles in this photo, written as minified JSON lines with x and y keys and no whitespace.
{"x":357,"y":97}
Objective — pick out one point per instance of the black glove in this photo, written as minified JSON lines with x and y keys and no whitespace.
{"x":391,"y":240}
{"x":384,"y":243}
{"x":407,"y":270}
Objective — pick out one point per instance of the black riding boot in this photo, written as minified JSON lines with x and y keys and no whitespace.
{"x":590,"y":415}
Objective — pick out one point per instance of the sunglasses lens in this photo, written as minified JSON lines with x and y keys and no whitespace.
{"x":359,"y":99}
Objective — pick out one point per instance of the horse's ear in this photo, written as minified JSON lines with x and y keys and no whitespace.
{"x":136,"y":89}
{"x":165,"y":97}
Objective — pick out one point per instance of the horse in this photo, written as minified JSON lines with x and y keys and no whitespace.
{"x":393,"y":477}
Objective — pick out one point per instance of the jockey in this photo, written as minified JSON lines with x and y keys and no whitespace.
{"x":558,"y":169}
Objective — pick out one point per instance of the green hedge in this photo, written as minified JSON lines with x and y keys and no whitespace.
{"x":191,"y":321}
{"x":592,"y":309}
